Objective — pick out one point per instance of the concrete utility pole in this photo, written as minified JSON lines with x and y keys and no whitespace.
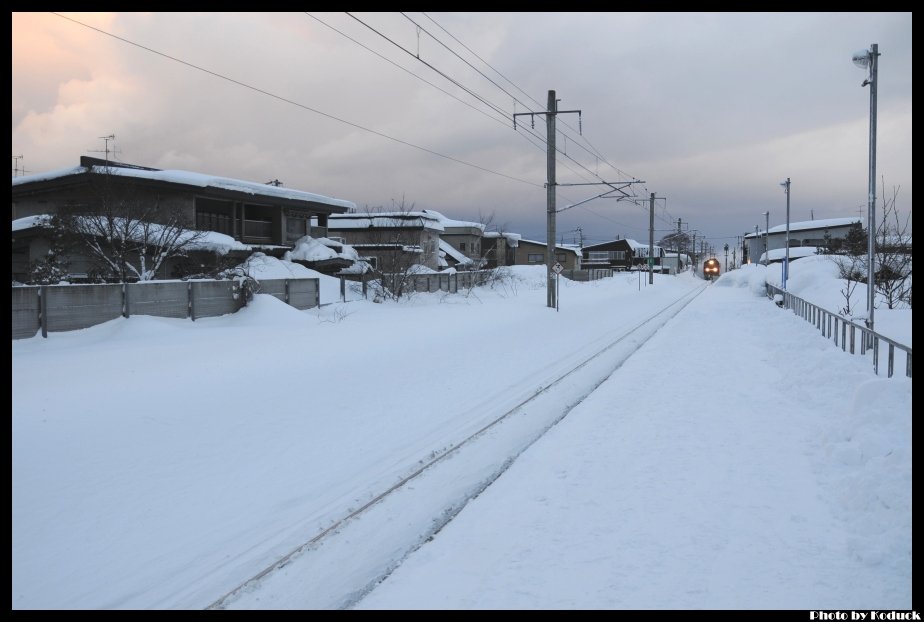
{"x":551,"y":299}
{"x":767,"y":240}
{"x":786,"y":185}
{"x":550,"y":114}
{"x":651,"y":241}
{"x":693,"y":250}
{"x":678,"y":245}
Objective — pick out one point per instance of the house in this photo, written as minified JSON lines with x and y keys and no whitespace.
{"x":811,"y":233}
{"x":245,"y":216}
{"x":674,"y":262}
{"x":531,"y":253}
{"x":499,"y":249}
{"x":391,"y":242}
{"x":624,"y":254}
{"x":461,"y":236}
{"x":615,"y":254}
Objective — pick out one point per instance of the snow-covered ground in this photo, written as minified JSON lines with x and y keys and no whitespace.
{"x":738,"y":459}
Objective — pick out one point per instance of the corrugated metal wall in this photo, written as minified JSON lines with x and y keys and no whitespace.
{"x":71,"y":307}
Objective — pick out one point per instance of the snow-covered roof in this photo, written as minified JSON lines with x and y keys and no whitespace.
{"x":39,"y":220}
{"x":189,"y":178}
{"x":513,"y":239}
{"x":450,"y":223}
{"x":205,"y":240}
{"x":308,"y":248}
{"x":826,"y":223}
{"x":777,"y":254}
{"x":217,"y":243}
{"x":383,"y":220}
{"x":447,"y":248}
{"x":638,"y":245}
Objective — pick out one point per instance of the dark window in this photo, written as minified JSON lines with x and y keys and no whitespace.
{"x":213,"y":221}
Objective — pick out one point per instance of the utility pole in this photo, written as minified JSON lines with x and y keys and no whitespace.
{"x":693,"y":250}
{"x":550,"y":114}
{"x":786,"y":184}
{"x":678,"y":246}
{"x":767,"y":239}
{"x":651,"y":241}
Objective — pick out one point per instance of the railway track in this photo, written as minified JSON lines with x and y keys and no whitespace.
{"x":325,"y":572}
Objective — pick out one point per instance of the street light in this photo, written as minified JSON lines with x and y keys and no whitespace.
{"x":869,"y":59}
{"x":767,"y":240}
{"x":785,"y":184}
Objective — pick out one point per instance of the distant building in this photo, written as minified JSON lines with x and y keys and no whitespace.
{"x":530,"y":253}
{"x":250,"y":216}
{"x":809,"y":233}
{"x":391,"y":241}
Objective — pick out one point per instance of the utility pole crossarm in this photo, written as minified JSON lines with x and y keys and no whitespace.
{"x":605,"y":195}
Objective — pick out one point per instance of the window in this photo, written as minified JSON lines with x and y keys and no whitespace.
{"x":535,"y":258}
{"x":212,"y":221}
{"x":296,"y":227}
{"x":606,"y":255}
{"x":462,"y":246}
{"x":559,"y":256}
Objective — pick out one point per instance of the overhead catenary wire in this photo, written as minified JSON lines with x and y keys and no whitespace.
{"x":463,"y":87}
{"x":505,"y":122}
{"x":594,"y":151}
{"x":295,"y":103}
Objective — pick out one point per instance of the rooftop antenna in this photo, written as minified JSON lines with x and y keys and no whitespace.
{"x":16,"y":169}
{"x":107,"y":150}
{"x":274,"y":182}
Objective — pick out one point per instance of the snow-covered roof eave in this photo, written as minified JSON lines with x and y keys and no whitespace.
{"x":198,"y":180}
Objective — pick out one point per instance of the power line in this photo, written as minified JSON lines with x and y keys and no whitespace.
{"x":594,"y":151}
{"x":424,"y":80}
{"x":463,"y":87}
{"x":294,"y":103}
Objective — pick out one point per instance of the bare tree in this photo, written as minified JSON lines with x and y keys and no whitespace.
{"x":893,"y":254}
{"x":126,"y":231}
{"x":400,"y":247}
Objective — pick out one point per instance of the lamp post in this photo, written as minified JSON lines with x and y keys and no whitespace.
{"x":767,"y":240}
{"x":786,"y":184}
{"x":869,"y":59}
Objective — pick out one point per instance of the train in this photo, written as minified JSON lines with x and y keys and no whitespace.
{"x":711,"y":269}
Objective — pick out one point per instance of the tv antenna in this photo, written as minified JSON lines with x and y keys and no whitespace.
{"x":107,"y":150}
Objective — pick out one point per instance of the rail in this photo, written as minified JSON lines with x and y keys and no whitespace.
{"x":842,"y":330}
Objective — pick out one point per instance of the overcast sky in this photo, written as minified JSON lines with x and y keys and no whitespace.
{"x":710,"y":110}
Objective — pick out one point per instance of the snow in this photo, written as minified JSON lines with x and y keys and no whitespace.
{"x":384,"y":220}
{"x":448,"y":249}
{"x":216,"y":242}
{"x":796,"y":252}
{"x":736,"y":460}
{"x":262,"y":266}
{"x":28,"y":222}
{"x":451,"y":223}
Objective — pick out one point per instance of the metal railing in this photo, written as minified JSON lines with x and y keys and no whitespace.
{"x":843,"y":331}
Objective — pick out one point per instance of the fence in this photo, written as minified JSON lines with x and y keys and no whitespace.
{"x":71,"y":307}
{"x":587,"y":274}
{"x":436,"y":282}
{"x":843,"y":331}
